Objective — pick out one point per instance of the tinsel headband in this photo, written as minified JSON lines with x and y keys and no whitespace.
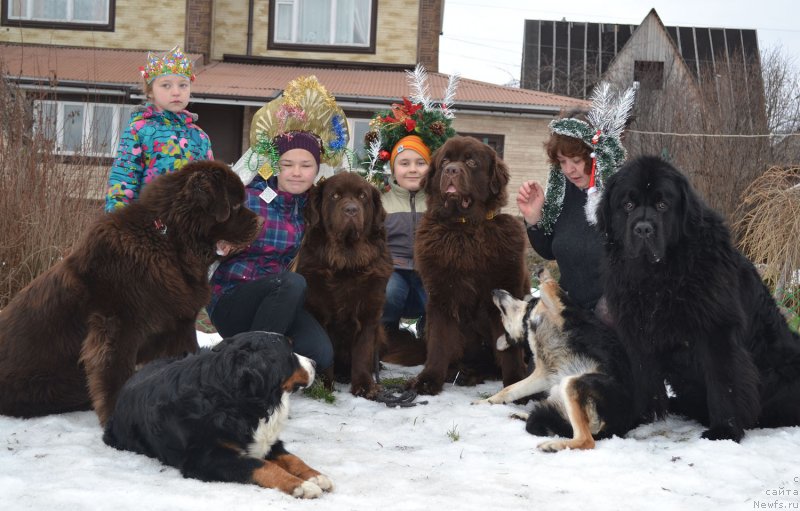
{"x":174,"y":62}
{"x":417,"y":115}
{"x":305,"y":106}
{"x":602,"y":135}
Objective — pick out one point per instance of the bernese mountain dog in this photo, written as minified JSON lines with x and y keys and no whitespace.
{"x":216,"y":415}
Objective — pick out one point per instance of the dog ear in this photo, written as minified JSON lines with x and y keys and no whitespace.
{"x":691,"y":204}
{"x":500,"y":174}
{"x":603,"y":211}
{"x":430,"y":179}
{"x":313,"y":211}
{"x":207,"y":185}
{"x":378,"y":213}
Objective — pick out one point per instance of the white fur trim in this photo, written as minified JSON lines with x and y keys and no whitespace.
{"x":592,"y":203}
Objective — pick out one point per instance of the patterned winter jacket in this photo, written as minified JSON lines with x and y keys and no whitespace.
{"x":276,"y":245}
{"x":154,"y":143}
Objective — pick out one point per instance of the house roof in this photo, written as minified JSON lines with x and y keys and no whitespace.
{"x":552,"y":47}
{"x":257,"y":83}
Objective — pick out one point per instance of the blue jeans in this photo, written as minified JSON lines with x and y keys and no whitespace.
{"x":405,"y":298}
{"x":275,"y":303}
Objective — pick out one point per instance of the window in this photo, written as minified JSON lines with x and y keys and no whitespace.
{"x":649,"y":74}
{"x":90,"y":129}
{"x":65,"y":14}
{"x":358,"y":130}
{"x":496,"y":142}
{"x":323,"y":25}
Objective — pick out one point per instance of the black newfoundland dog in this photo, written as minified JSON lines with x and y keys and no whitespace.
{"x":217,"y":415}
{"x":692,"y":310}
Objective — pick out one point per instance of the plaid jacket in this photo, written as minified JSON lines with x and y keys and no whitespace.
{"x":274,"y":248}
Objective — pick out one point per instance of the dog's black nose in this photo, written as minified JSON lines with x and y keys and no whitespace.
{"x":643,"y":230}
{"x":351,"y":210}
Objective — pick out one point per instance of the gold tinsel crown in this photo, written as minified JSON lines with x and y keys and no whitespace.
{"x":174,"y":62}
{"x":305,"y":105}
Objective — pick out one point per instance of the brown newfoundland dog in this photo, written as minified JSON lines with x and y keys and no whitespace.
{"x":346,"y":263}
{"x":464,"y":249}
{"x":128,"y":292}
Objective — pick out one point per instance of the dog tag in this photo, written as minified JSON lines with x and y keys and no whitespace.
{"x":268,"y":194}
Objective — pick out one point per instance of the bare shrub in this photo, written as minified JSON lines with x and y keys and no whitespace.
{"x":44,"y":206}
{"x":714,"y":129}
{"x":769,"y":230}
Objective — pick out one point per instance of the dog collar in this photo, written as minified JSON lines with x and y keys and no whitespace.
{"x":489,"y":216}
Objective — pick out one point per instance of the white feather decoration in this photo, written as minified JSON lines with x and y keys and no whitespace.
{"x":374,"y":150}
{"x":418,"y":80}
{"x":450,"y":96}
{"x":610,"y":113}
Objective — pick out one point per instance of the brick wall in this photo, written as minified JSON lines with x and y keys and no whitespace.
{"x":198,"y":27}
{"x":430,"y":27}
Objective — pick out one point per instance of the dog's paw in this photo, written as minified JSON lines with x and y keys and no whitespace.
{"x":424,"y":384}
{"x":322,"y":481}
{"x":502,"y":343}
{"x":307,"y":490}
{"x":493,"y":400}
{"x":522,"y":416}
{"x":723,"y":433}
{"x":368,"y":390}
{"x":552,"y":446}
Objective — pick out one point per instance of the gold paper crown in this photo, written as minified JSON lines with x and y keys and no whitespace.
{"x":305,"y":105}
{"x":174,"y":62}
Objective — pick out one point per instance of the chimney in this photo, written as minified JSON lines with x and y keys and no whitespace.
{"x":431,"y":16}
{"x":198,"y":27}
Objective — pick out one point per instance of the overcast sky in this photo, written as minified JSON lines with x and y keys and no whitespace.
{"x":482,"y":39}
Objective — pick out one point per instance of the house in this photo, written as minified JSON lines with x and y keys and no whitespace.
{"x":700,"y":101}
{"x":78,"y":63}
{"x":568,"y":57}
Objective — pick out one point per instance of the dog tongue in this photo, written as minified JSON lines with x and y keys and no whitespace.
{"x":451,"y":189}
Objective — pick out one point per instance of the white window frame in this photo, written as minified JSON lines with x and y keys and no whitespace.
{"x":293,"y":39}
{"x":120,"y":113}
{"x":356,"y":145}
{"x":29,"y":16}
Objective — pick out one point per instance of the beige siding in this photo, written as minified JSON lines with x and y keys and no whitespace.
{"x":396,"y":41}
{"x":131,"y":31}
{"x":523,"y":146}
{"x":229,"y":28}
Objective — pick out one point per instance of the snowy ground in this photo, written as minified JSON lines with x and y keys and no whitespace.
{"x":405,"y":459}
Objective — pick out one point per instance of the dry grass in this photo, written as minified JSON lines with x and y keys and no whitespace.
{"x":769,"y":230}
{"x":44,"y":207}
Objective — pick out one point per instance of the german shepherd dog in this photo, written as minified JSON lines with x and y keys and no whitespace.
{"x":582,"y":375}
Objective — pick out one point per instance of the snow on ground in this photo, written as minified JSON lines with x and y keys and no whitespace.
{"x":407,"y":459}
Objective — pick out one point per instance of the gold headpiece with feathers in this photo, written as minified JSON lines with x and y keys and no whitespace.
{"x":305,"y":106}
